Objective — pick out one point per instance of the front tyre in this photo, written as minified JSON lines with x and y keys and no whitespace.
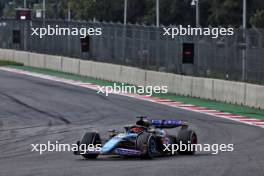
{"x":187,"y":138}
{"x":146,"y":143}
{"x":90,"y":138}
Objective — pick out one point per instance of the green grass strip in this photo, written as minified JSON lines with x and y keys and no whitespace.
{"x":8,"y":63}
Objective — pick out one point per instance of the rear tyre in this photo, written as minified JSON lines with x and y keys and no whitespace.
{"x":187,"y":137}
{"x":90,"y":138}
{"x":146,"y":143}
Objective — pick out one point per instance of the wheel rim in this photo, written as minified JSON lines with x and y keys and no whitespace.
{"x":152,"y":145}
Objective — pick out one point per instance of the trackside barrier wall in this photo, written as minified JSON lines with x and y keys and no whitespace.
{"x":85,"y":68}
{"x":70,"y":65}
{"x":185,"y":85}
{"x":230,"y":92}
{"x":160,"y":79}
{"x":254,"y":96}
{"x":36,"y":60}
{"x":221,"y":90}
{"x":21,"y":57}
{"x":133,"y":76}
{"x":105,"y":71}
{"x":203,"y":88}
{"x":6,"y":54}
{"x":53,"y":62}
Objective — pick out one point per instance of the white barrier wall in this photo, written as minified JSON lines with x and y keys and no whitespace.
{"x":6,"y":54}
{"x":213,"y":89}
{"x":254,"y":96}
{"x":203,"y":88}
{"x":160,"y":79}
{"x":105,"y":71}
{"x":53,"y":62}
{"x":70,"y":65}
{"x":85,"y":68}
{"x":185,"y":85}
{"x":21,"y":57}
{"x":133,"y":76}
{"x":230,"y":92}
{"x":36,"y":60}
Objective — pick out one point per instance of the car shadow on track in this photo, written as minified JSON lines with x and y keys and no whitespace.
{"x":120,"y":158}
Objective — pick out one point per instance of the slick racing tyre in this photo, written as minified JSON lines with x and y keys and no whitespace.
{"x":187,"y":137}
{"x":90,"y":138}
{"x":146,"y":143}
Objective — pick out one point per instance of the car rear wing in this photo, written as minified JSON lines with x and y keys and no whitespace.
{"x":168,"y":123}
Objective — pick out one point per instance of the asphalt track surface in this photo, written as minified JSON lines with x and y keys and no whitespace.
{"x":34,"y":111}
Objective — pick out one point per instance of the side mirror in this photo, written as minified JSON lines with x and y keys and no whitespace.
{"x":184,"y":125}
{"x":127,"y":127}
{"x":112,"y":132}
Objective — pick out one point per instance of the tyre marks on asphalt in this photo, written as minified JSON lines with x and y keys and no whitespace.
{"x":189,"y":107}
{"x":24,"y":104}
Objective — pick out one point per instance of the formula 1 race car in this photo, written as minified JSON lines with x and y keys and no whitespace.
{"x":146,"y":139}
